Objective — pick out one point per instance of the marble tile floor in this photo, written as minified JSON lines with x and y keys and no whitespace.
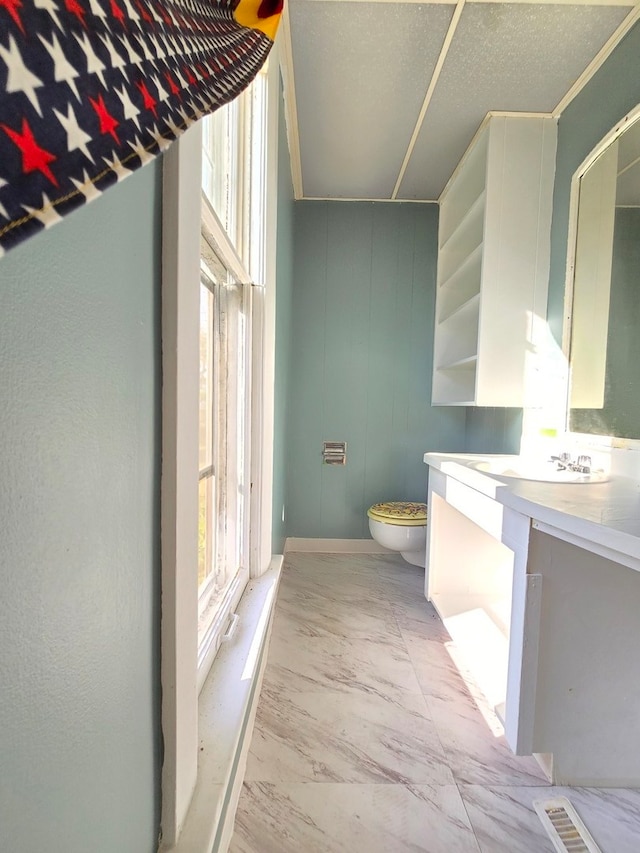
{"x":368,"y":738}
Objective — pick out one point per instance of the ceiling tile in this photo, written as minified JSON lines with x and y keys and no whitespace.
{"x":361,"y":72}
{"x":504,"y":56}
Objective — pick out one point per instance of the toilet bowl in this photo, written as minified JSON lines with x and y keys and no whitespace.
{"x":401,"y":526}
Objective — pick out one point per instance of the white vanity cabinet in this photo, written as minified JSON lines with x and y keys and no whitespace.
{"x":493,"y":262}
{"x":538,"y":584}
{"x":477,"y":580}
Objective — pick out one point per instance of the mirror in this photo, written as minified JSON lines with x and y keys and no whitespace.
{"x":604,"y":356}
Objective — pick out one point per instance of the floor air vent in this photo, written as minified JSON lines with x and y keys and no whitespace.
{"x":564,"y":826}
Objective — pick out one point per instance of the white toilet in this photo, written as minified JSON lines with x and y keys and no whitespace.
{"x":401,"y":526}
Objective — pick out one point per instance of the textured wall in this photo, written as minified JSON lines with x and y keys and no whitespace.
{"x":79,"y":504}
{"x":284,"y":304}
{"x":361,"y":362}
{"x":493,"y":430}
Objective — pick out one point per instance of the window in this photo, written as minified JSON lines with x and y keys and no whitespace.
{"x":214,"y":302}
{"x":232,"y":262}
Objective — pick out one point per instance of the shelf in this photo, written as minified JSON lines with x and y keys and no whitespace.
{"x":473,"y":257}
{"x":492,"y":211}
{"x":460,"y":364}
{"x":467,"y":183}
{"x":463,"y":242}
{"x":472,"y":304}
{"x":474,"y":210}
{"x":465,"y":403}
{"x":481,"y":645}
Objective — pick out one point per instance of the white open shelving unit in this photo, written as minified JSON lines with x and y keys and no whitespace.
{"x":493,"y":262}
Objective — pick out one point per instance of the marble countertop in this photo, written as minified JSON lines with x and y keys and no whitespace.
{"x":606,"y":513}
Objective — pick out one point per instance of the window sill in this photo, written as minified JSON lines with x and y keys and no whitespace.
{"x":226,"y":711}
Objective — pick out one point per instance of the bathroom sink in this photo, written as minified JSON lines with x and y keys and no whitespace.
{"x":521,"y":468}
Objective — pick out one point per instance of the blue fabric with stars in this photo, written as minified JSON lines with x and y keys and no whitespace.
{"x":91,"y":90}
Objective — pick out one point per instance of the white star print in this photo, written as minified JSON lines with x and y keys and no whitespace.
{"x":163,"y":142}
{"x":132,"y":14}
{"x":173,"y":127}
{"x":130,"y":109}
{"x":163,"y":95}
{"x":196,"y":109}
{"x":158,"y":47}
{"x":46,"y":213}
{"x":141,"y":151}
{"x":169,"y":49}
{"x":76,"y":137}
{"x":2,"y":208}
{"x":117,"y":61}
{"x":94,"y":63}
{"x":86,"y":187}
{"x":155,"y":15}
{"x":97,"y":9}
{"x":117,"y":167}
{"x":174,"y":45}
{"x":134,"y":59}
{"x":181,"y":81}
{"x":52,"y":8}
{"x":148,"y":51}
{"x":63,"y":70}
{"x":188,"y":121}
{"x":20,"y":79}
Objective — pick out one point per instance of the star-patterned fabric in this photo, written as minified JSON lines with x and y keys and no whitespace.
{"x":91,"y":90}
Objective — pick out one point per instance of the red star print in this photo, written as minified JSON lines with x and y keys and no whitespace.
{"x":166,"y":17}
{"x":143,"y":11}
{"x":149,"y":101}
{"x":117,"y":12}
{"x":76,"y":9}
{"x":175,"y":89}
{"x":187,"y":73}
{"x":34,"y":158}
{"x":12,"y":7}
{"x":108,"y":123}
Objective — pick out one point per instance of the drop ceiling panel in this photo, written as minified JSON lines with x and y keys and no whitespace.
{"x":503,"y":57}
{"x":361,"y":73}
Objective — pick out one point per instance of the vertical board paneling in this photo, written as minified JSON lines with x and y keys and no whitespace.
{"x":348,"y":268}
{"x":284,"y":310}
{"x":306,"y":426}
{"x":379,"y":469}
{"x":364,"y":279}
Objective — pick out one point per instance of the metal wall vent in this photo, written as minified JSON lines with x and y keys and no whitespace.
{"x":334,"y":452}
{"x":564,"y":827}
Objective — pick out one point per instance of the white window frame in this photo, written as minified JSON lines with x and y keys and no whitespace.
{"x":224,"y":620}
{"x":182,"y":214}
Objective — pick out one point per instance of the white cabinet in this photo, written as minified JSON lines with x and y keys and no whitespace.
{"x":493,"y":263}
{"x":477,"y":579}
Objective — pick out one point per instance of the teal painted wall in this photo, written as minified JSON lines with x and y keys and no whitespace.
{"x":610,"y":94}
{"x":284,"y":308}
{"x":361,"y":363}
{"x":493,"y":430}
{"x":80,"y":740}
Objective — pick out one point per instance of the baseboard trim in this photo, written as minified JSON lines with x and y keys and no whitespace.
{"x":335,"y":546}
{"x":226,"y":714}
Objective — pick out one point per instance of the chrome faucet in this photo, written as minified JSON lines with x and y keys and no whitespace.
{"x":582,"y":465}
